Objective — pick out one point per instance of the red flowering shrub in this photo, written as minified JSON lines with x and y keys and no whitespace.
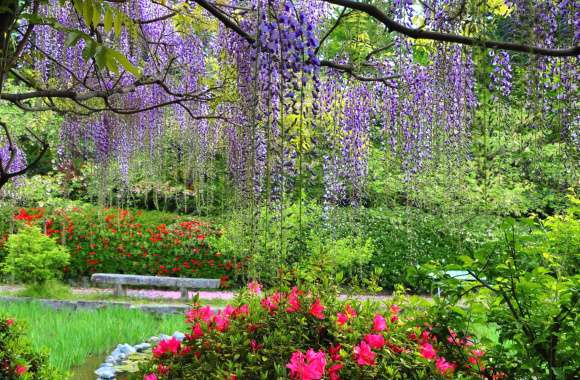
{"x":17,"y":362}
{"x":121,"y":241}
{"x":305,"y":334}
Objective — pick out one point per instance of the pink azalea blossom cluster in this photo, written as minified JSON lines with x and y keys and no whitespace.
{"x":346,"y":338}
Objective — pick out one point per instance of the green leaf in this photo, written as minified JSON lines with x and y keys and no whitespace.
{"x":101,"y":56}
{"x":123,"y":61}
{"x":96,"y":16}
{"x":88,"y":12}
{"x":89,"y":50}
{"x":72,"y":38}
{"x":108,"y":20}
{"x":118,"y":21}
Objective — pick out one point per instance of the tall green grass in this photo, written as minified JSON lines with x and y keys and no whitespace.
{"x":71,"y":337}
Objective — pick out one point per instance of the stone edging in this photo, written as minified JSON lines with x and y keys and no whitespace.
{"x":93,"y":305}
{"x":121,"y":355}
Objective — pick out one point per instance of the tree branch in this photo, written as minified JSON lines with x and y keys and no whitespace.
{"x":392,"y":25}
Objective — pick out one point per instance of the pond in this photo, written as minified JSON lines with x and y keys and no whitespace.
{"x":87,"y":370}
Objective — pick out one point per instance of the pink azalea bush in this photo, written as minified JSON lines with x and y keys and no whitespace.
{"x":17,"y":361}
{"x":304,"y":334}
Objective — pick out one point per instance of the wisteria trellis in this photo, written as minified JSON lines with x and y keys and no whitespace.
{"x":286,"y":102}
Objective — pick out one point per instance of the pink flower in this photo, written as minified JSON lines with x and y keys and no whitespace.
{"x":167,"y":346}
{"x":334,"y":352}
{"x":254,"y":287}
{"x":428,"y":352}
{"x":333,"y":371}
{"x":242,"y":310}
{"x":204,"y":314}
{"x":395,"y":309}
{"x":255,"y":346}
{"x":376,"y":341}
{"x":271,"y":303}
{"x":363,"y":354}
{"x":197,"y":331}
{"x":379,"y":323}
{"x":307,"y":367}
{"x":228,"y":311}
{"x":20,"y":370}
{"x":350,"y":312}
{"x":341,"y":318}
{"x":317,"y":309}
{"x":478,"y":353}
{"x":222,"y":322}
{"x":444,"y":367}
{"x":150,"y":376}
{"x":293,"y":301}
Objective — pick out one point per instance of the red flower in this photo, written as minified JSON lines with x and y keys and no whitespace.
{"x":197,"y":331}
{"x":21,"y":370}
{"x":395,"y":309}
{"x":10,"y":322}
{"x":172,"y":346}
{"x":200,"y":237}
{"x":376,"y":341}
{"x":341,"y":318}
{"x":255,"y":346}
{"x":333,"y":371}
{"x":293,"y":301}
{"x":317,"y":309}
{"x":162,"y":369}
{"x":363,"y":354}
{"x":334,"y":352}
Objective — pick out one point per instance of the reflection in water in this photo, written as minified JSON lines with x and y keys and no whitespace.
{"x":87,"y":370}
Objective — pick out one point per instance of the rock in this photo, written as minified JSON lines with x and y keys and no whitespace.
{"x":126,"y":349}
{"x":105,"y":372}
{"x":154,"y":339}
{"x":142,"y":347}
{"x":179,"y":336}
{"x":164,"y":337}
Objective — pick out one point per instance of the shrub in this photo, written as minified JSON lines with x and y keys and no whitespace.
{"x":34,"y":258}
{"x":17,"y":362}
{"x":523,"y":300}
{"x":311,"y":334}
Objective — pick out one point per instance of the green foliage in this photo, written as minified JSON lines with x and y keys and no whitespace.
{"x":34,"y":258}
{"x":19,"y":362}
{"x":525,"y":290}
{"x":70,"y":338}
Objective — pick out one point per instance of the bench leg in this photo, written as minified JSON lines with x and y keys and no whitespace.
{"x":120,"y":291}
{"x":184,"y":294}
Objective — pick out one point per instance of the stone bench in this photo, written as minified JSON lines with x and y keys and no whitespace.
{"x":461,"y":275}
{"x":121,"y":281}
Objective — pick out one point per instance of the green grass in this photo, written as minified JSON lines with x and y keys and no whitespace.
{"x":71,"y":337}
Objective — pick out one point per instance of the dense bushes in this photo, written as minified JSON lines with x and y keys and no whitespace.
{"x":121,"y":241}
{"x":17,"y":361}
{"x":302,"y":333}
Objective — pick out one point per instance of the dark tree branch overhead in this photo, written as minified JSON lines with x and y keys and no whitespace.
{"x":394,"y":26}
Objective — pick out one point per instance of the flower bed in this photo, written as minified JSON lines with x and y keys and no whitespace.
{"x":121,"y":241}
{"x":309,"y":335}
{"x":17,"y":361}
